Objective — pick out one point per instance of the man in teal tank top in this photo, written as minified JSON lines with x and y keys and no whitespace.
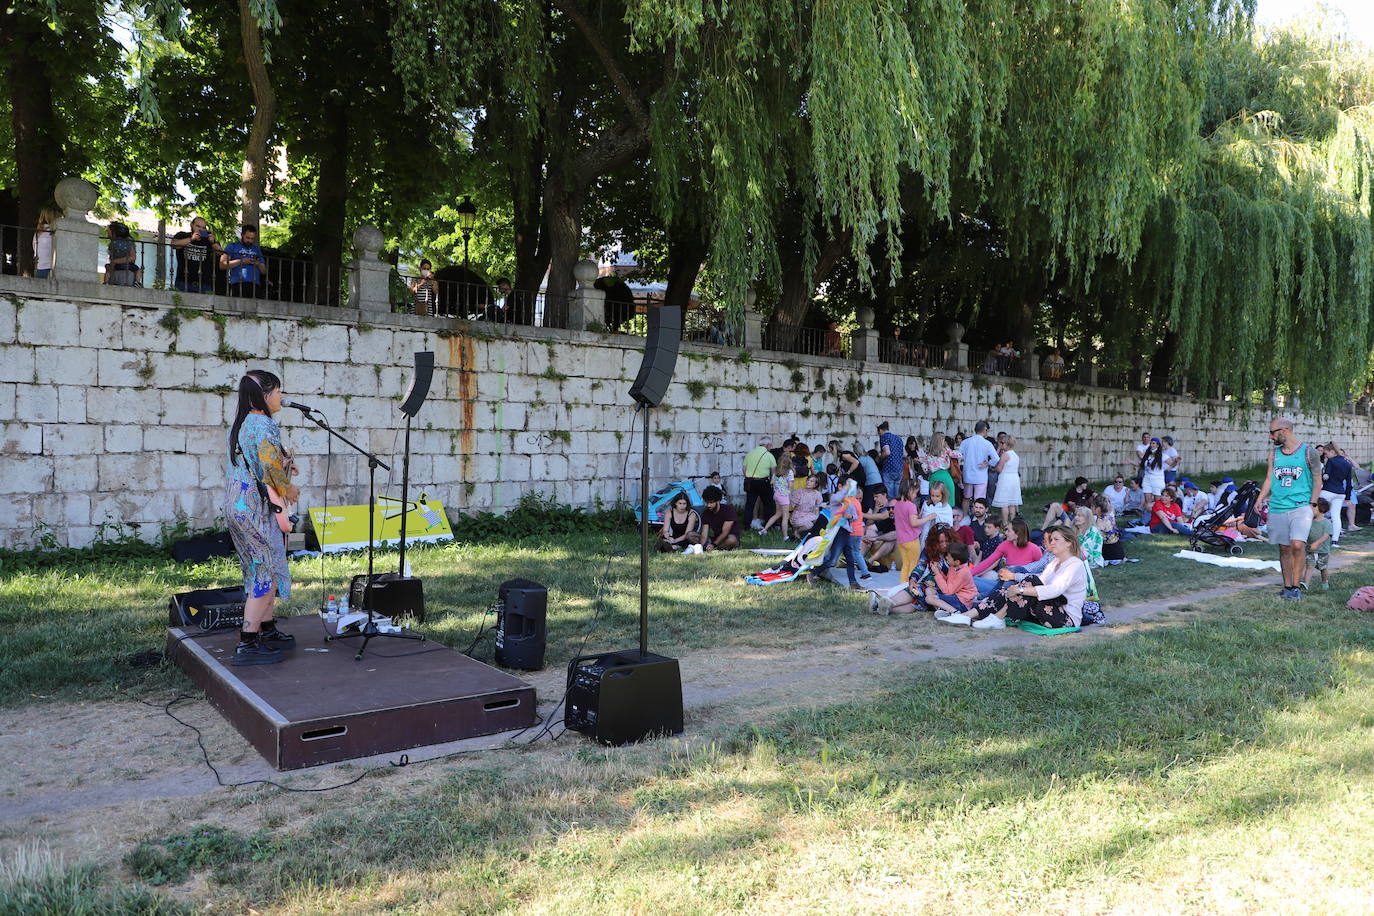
{"x":1290,"y":487}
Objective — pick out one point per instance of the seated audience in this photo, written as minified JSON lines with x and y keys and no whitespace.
{"x":720,"y":522}
{"x":1054,"y":599}
{"x":806,"y":505}
{"x":1016,"y":549}
{"x":681,"y":526}
{"x":1166,"y":515}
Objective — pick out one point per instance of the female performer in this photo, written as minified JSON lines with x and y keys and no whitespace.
{"x":258,"y":461}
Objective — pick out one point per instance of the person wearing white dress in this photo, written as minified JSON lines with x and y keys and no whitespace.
{"x":1152,"y":471}
{"x":1008,"y":495}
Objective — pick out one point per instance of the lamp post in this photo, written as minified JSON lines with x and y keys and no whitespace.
{"x":467,"y":218}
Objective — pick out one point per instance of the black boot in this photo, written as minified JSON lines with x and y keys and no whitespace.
{"x":273,"y":638}
{"x":251,"y":651}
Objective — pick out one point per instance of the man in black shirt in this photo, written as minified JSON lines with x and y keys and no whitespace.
{"x":196,"y":252}
{"x":719,"y":522}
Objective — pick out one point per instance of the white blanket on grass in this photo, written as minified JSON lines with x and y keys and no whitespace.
{"x":1233,"y":562}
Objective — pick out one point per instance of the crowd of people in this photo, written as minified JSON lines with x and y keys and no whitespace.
{"x":947,"y":514}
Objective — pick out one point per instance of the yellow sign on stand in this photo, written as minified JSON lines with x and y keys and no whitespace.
{"x":345,"y":527}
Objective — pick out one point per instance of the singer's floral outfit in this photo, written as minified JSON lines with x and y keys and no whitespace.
{"x":261,"y":548}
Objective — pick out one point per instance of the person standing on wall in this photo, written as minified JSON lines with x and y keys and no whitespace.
{"x":976,"y":455}
{"x":758,"y":469}
{"x":1290,"y":489}
{"x":1336,"y":471}
{"x":259,"y":469}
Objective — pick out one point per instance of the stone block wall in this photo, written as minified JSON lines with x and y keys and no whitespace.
{"x":114,"y":406}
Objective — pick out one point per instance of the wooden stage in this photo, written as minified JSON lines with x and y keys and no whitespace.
{"x":320,"y":706}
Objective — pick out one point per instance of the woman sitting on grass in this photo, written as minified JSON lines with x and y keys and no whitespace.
{"x":1016,"y":549}
{"x":1166,"y":516}
{"x":681,"y":526}
{"x":907,"y":598}
{"x":1054,"y":599}
{"x":953,"y":591}
{"x":806,"y":506}
{"x":1089,"y":537}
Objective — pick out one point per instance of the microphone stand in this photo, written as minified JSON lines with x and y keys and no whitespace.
{"x":367,"y":631}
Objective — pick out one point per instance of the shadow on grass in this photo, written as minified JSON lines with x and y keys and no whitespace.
{"x":1146,"y":719}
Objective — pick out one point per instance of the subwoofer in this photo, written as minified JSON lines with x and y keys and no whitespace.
{"x":624,"y":697}
{"x":660,"y":355}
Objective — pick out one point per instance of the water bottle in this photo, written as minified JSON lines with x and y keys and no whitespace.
{"x":343,"y":605}
{"x":331,"y":608}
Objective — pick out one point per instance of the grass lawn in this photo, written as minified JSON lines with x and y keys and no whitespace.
{"x":65,"y":630}
{"x":1220,"y":761}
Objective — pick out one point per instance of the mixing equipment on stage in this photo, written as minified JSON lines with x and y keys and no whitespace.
{"x":207,"y":608}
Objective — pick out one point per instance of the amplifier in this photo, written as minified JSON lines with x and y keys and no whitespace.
{"x":624,"y":697}
{"x":207,"y":609}
{"x":392,"y":595}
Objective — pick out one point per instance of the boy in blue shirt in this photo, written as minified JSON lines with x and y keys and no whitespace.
{"x":244,"y":261}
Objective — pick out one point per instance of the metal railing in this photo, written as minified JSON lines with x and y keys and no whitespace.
{"x":469,"y":301}
{"x":900,"y":353}
{"x":709,"y":325}
{"x":158,"y":264}
{"x":990,"y":362}
{"x":808,"y":342}
{"x":17,"y":250}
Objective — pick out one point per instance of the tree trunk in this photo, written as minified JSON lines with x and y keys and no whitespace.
{"x":686,"y":250}
{"x":795,"y":297}
{"x":563,"y":227}
{"x":531,"y":248}
{"x":33,"y":123}
{"x":331,"y":207}
{"x":255,"y":159}
{"x":1162,"y":367}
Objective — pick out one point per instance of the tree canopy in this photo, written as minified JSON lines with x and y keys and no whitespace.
{"x":1153,"y":185}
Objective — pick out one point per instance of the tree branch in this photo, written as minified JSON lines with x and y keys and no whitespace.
{"x":639,"y":112}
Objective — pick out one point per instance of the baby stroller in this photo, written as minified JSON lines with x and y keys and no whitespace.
{"x":1207,"y":531}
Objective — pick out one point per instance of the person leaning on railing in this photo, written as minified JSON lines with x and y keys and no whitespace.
{"x":425,"y":289}
{"x":42,"y":242}
{"x":195,"y":252}
{"x":122,"y":269}
{"x":244,"y":261}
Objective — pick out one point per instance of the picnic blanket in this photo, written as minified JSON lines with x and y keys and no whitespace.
{"x":1041,"y":630}
{"x":1233,"y":562}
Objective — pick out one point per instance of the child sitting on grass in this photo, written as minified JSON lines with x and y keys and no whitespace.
{"x":953,"y":591}
{"x":1318,"y":544}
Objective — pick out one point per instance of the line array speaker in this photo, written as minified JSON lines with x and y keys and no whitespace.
{"x":660,"y":355}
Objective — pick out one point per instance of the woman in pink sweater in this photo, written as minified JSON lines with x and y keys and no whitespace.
{"x":1016,"y":549}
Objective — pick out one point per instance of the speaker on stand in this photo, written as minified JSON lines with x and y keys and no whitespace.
{"x":624,"y":697}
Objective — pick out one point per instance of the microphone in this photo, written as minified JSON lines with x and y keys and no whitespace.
{"x":297,"y":405}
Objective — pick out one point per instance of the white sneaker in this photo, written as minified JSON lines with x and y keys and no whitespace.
{"x":991,"y":622}
{"x":961,"y":620}
{"x":942,"y":613}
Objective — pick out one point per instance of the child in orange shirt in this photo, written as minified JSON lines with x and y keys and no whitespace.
{"x":953,"y":591}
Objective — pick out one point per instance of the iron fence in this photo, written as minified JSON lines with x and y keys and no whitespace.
{"x":900,"y":353}
{"x":993,"y":362}
{"x":808,"y":342}
{"x":462,"y":299}
{"x":707,"y":324}
{"x":18,"y":249}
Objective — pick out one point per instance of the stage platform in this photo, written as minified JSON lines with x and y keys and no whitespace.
{"x":320,"y":706}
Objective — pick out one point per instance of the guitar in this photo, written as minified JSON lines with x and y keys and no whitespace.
{"x":276,"y":502}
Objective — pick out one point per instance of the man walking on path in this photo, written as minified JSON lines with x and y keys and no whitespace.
{"x":976,"y":455}
{"x":1290,"y":488}
{"x":891,"y":452}
{"x":758,"y":468}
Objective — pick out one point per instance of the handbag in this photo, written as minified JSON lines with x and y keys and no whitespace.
{"x":956,"y":472}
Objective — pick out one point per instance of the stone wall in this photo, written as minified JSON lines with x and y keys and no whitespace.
{"x":114,"y":405}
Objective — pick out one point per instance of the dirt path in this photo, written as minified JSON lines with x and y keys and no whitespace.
{"x":90,"y":779}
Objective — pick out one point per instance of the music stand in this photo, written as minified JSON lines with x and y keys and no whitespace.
{"x":368,"y":631}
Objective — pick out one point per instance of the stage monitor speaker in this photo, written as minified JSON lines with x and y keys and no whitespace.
{"x":392,"y":595}
{"x":207,"y":608}
{"x":520,"y":624}
{"x":624,"y":697}
{"x":660,"y":355}
{"x":419,"y":383}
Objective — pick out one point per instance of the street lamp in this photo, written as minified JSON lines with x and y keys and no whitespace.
{"x":467,"y":218}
